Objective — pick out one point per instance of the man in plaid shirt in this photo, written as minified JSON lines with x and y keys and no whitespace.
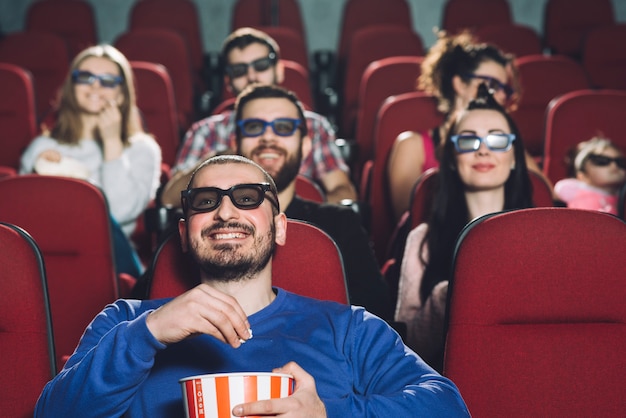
{"x":251,"y":56}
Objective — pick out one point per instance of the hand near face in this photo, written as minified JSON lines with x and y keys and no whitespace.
{"x":110,"y":122}
{"x":304,"y":402}
{"x":201,"y":310}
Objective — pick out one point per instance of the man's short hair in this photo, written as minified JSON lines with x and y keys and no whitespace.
{"x":263,"y":91}
{"x":243,"y":37}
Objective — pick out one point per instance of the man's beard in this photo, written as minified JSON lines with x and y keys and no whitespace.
{"x":226,"y":264}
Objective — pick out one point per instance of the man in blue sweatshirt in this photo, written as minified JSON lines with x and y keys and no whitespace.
{"x":345,"y":361}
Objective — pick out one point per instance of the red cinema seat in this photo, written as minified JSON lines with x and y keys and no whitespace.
{"x":26,"y":344}
{"x":578,"y":116}
{"x":538,"y":329}
{"x":46,"y":56}
{"x":308,"y":250}
{"x":18,"y":121}
{"x":72,"y":20}
{"x":69,"y":220}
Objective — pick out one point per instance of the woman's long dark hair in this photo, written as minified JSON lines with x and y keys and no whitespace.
{"x":449,"y":213}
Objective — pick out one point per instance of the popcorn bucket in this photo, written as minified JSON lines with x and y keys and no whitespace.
{"x":215,"y":395}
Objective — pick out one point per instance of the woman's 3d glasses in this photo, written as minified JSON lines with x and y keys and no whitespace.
{"x":493,"y":84}
{"x":260,"y":65}
{"x":256,"y":127}
{"x":106,"y":80}
{"x":494,"y":142}
{"x":244,"y":196}
{"x":603,"y":160}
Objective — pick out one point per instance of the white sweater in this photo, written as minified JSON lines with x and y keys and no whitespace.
{"x":129,"y":182}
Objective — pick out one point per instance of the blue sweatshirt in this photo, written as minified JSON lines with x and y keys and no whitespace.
{"x":360,"y":365}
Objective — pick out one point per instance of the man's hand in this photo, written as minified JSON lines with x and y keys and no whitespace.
{"x":201,"y":310}
{"x":304,"y":402}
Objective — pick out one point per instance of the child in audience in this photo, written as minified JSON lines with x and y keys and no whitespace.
{"x":98,"y":137}
{"x":599,"y":171}
{"x":483,"y":170}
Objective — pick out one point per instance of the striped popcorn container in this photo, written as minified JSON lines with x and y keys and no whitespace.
{"x":215,"y":395}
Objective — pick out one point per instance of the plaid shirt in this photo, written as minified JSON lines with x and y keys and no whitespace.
{"x":217,"y":134}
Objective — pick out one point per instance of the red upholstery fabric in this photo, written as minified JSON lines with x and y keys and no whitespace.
{"x":69,"y":220}
{"x":577,"y":116}
{"x":7,"y":171}
{"x":17,"y":113}
{"x":368,"y":45}
{"x":72,"y":20}
{"x":519,"y":40}
{"x":168,"y":48}
{"x":155,"y":100}
{"x":308,"y":264}
{"x":360,"y":14}
{"x":180,"y":16}
{"x":536,"y":321}
{"x":461,"y":14}
{"x":426,"y":186}
{"x":256,"y":13}
{"x":26,"y":345}
{"x":566,"y":23}
{"x":46,"y":56}
{"x":542,"y":79}
{"x":381,"y":79}
{"x":291,"y":43}
{"x":415,"y":111}
{"x":308,"y":189}
{"x":604,"y":56}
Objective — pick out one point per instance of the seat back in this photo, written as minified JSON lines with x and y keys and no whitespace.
{"x":461,"y":14}
{"x":155,"y":100}
{"x":255,"y":13}
{"x":309,"y":189}
{"x":542,"y":79}
{"x":26,"y":344}
{"x":368,"y":45}
{"x":513,"y":38}
{"x":69,"y":220}
{"x":46,"y":56}
{"x":604,"y":56}
{"x":414,"y":111}
{"x":567,"y":22}
{"x":292,"y":45}
{"x":360,"y":14}
{"x":382,"y":78}
{"x":17,"y":113}
{"x":72,"y":20}
{"x":546,"y":303}
{"x":6,"y":171}
{"x":180,"y":16}
{"x":309,"y":264}
{"x":168,"y":48}
{"x":578,"y":116}
{"x":426,"y":187}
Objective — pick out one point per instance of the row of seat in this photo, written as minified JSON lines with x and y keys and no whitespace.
{"x":538,"y":329}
